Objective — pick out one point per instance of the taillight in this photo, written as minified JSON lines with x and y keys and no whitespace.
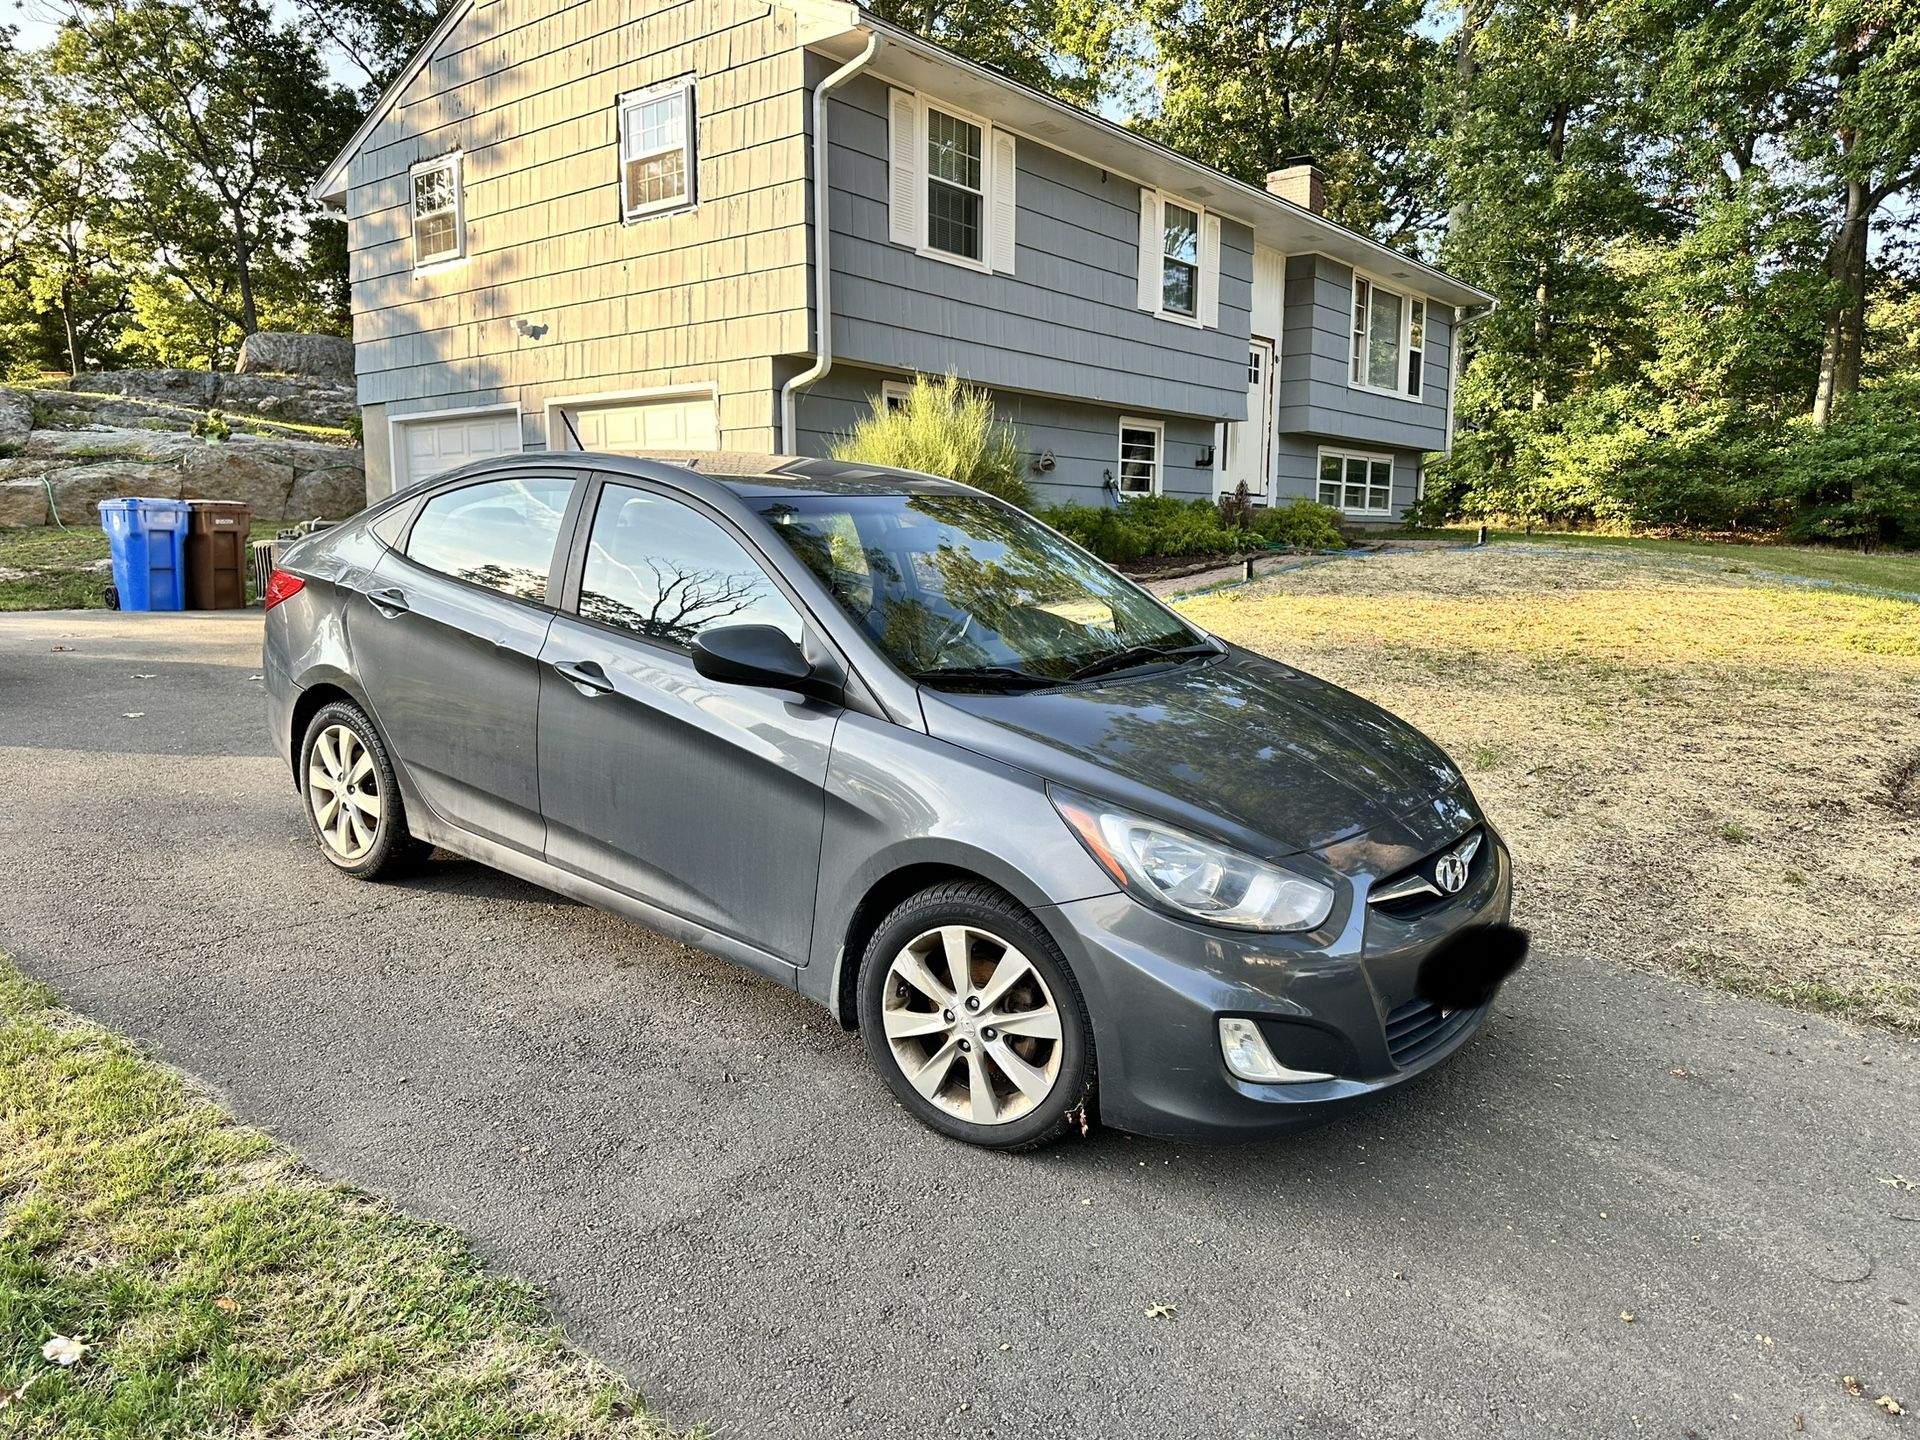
{"x":280,"y":586}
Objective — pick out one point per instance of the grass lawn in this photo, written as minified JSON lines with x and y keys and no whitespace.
{"x":1896,"y":570}
{"x":48,"y":568}
{"x":221,"y":1289}
{"x":1699,"y":767}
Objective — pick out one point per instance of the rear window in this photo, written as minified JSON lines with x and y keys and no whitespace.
{"x":499,"y":533}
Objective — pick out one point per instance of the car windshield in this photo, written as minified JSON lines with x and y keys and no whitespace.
{"x":963,"y":589}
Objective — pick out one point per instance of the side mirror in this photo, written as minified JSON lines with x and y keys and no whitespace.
{"x":750,"y":655}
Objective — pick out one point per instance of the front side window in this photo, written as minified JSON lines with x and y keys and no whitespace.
{"x":656,"y":149}
{"x":1356,"y":484}
{"x":1179,"y":259}
{"x":499,"y":533}
{"x":438,"y":225}
{"x":956,"y":199}
{"x":1389,"y":339}
{"x":963,"y":589}
{"x":1141,"y":442}
{"x":663,"y":570}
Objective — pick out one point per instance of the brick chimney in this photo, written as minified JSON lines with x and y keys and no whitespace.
{"x":1302,"y":182}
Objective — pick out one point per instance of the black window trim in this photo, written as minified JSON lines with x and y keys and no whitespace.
{"x":579,"y":479}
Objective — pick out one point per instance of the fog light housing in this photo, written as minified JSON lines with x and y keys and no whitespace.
{"x":1245,"y":1050}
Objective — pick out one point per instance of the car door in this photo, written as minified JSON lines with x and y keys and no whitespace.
{"x":446,"y":642}
{"x":700,"y":797}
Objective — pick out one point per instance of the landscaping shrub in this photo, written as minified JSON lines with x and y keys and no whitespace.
{"x":1154,"y":526}
{"x":948,"y":428}
{"x":1300,"y":525}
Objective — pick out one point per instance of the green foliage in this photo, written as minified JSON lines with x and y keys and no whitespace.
{"x":947,"y":428}
{"x":1064,"y":46}
{"x":213,"y":427}
{"x":1301,"y":525}
{"x":1160,"y":526}
{"x":1858,"y":480}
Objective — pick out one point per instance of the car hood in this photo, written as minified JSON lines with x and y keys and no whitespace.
{"x":1263,"y":755}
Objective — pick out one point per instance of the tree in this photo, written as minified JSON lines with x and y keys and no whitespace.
{"x":1062,"y":46}
{"x":375,"y":37}
{"x":225,"y":114}
{"x":61,"y":252}
{"x":1245,"y":84}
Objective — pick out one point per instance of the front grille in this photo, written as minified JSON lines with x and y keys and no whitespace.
{"x":1420,"y":1027}
{"x":1416,"y":890}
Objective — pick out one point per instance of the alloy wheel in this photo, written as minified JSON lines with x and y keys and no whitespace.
{"x":343,"y":787}
{"x":971,"y":1024}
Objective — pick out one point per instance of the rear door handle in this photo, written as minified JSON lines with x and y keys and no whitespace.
{"x":389,"y":602}
{"x":584,"y":674}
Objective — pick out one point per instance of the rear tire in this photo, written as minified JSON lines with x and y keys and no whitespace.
{"x":351,"y":798}
{"x":975,"y":1022}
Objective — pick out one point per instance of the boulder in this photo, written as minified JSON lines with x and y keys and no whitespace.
{"x":331,"y":494}
{"x":31,"y":467}
{"x":16,"y":418}
{"x":77,"y":493}
{"x":22,"y":502}
{"x":279,"y":397}
{"x":237,"y":472}
{"x":110,"y":442}
{"x":283,"y":352}
{"x":197,"y":389}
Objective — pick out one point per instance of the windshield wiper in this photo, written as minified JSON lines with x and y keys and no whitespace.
{"x":991,"y":676}
{"x":1139,"y":655}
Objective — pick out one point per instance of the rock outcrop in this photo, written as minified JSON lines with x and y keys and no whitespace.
{"x":296,"y":398}
{"x":286,"y":352}
{"x":87,"y":449}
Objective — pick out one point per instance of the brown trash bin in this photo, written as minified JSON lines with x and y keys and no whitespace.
{"x":217,"y":554}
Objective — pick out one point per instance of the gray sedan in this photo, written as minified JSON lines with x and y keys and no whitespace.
{"x":1055,"y":852}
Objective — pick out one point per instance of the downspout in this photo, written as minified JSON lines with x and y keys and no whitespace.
{"x":822,"y":274}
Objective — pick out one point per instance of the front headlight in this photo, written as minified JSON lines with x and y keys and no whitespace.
{"x":1173,"y":870}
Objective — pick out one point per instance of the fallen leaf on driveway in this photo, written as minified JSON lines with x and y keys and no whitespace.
{"x":1627,"y":1315}
{"x":138,"y":676}
{"x":1852,"y":1385}
{"x":1162,"y":1312}
{"x":58,"y":648}
{"x":1890,"y":1405}
{"x":63,"y":1350}
{"x":132,"y":714}
{"x":1900,"y":1182}
{"x":256,"y":677}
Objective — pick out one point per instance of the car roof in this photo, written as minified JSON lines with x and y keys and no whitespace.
{"x":751,"y":475}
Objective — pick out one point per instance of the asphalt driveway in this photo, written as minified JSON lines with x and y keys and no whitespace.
{"x":722,"y":1200}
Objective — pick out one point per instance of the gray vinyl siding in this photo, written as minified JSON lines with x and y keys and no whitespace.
{"x":1297,"y":471}
{"x":696,"y":298}
{"x":1315,"y":349}
{"x":1083,"y":439}
{"x":1064,"y":324}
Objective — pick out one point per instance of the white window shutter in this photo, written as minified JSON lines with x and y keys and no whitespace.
{"x":1210,"y":271}
{"x":905,"y":192}
{"x":1150,"y":257}
{"x":1005,"y":204}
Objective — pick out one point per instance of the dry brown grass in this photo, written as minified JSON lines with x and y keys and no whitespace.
{"x":1709,"y":772}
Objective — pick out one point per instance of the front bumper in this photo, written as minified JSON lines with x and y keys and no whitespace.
{"x":1342,"y":1001}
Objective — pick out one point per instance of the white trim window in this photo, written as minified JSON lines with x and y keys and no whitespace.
{"x":658,"y":159}
{"x":1179,"y":260}
{"x":1389,"y":346}
{"x":1356,"y":482}
{"x":893,"y":395}
{"x":438,"y":211}
{"x":1143,"y":451}
{"x":951,"y":184}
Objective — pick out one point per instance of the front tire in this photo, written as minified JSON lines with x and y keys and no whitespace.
{"x":974,"y":1020}
{"x":352,"y":800}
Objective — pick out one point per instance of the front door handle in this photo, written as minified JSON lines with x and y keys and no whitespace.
{"x":585,"y":675}
{"x":389,"y":602}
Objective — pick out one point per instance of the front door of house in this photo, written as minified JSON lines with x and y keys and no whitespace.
{"x":1249,"y":456}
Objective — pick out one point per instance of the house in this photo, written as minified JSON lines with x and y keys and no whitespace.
{"x":601,"y":225}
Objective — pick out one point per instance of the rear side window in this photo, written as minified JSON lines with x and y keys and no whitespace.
{"x":665,"y":571}
{"x":499,"y":533}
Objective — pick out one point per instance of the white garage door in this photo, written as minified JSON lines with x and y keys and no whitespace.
{"x":628,"y":427}
{"x":429,"y":447}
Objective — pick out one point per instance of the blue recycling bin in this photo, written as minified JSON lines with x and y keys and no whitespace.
{"x":149,"y":540}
